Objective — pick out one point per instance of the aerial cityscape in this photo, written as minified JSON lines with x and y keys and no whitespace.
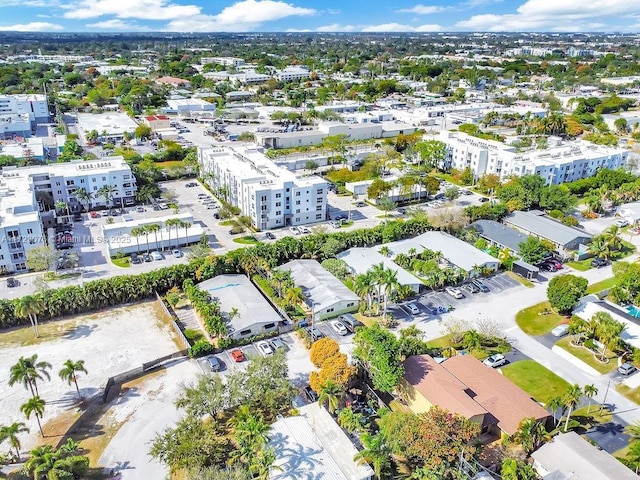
{"x":277,"y":241}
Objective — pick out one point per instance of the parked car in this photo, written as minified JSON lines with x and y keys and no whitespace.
{"x":237,"y":355}
{"x":94,"y":214}
{"x":470,"y":287}
{"x":626,"y":369}
{"x":480,"y":284}
{"x":140,"y":209}
{"x":340,"y":216}
{"x":216,"y":215}
{"x":311,"y":395}
{"x":11,"y":282}
{"x":146,"y":257}
{"x":278,"y":344}
{"x":233,"y":231}
{"x":135,"y":259}
{"x":621,"y":222}
{"x":314,"y":334}
{"x":294,"y":230}
{"x":401,"y":210}
{"x":560,"y":330}
{"x":177,"y":253}
{"x":413,"y":308}
{"x":547,"y":267}
{"x":454,"y":292}
{"x":191,"y":184}
{"x":334,"y":224}
{"x":202,"y":195}
{"x":599,"y":262}
{"x":264,"y":348}
{"x":554,"y":262}
{"x":349,"y":321}
{"x":77,"y":217}
{"x":270,"y":236}
{"x":339,"y":327}
{"x":495,"y":360}
{"x":214,"y":363}
{"x":483,"y":199}
{"x":157,"y":255}
{"x":304,"y":229}
{"x":466,"y":192}
{"x":361,"y":204}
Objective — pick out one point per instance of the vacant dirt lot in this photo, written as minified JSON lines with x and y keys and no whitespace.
{"x":109,"y":341}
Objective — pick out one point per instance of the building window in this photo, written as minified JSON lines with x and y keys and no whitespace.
{"x":263,"y":198}
{"x":104,"y":179}
{"x":297,"y":202}
{"x":319,"y":208}
{"x":298,"y":210}
{"x":29,"y":231}
{"x":278,"y":204}
{"x":93,"y":180}
{"x":320,"y":191}
{"x":350,"y":304}
{"x":278,"y":195}
{"x":57,"y":184}
{"x":245,"y":332}
{"x":82,"y":180}
{"x":269,"y":325}
{"x":329,"y":310}
{"x":319,"y":216}
{"x":297,"y":194}
{"x":59,"y":192}
{"x":298,"y":220}
{"x":279,"y":212}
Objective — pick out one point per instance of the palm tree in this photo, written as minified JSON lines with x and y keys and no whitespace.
{"x":376,"y":452}
{"x":84,"y":197}
{"x":554,"y":404}
{"x":330,"y":394}
{"x":154,"y":228}
{"x":351,"y":421}
{"x":61,"y":206}
{"x":294,"y":295}
{"x":170,"y":223}
{"x":390,"y":284}
{"x":612,"y":238}
{"x":29,"y":307}
{"x":590,"y":391}
{"x":364,"y":288}
{"x":186,"y":226}
{"x":571,"y":399}
{"x":107,"y":192}
{"x":137,"y":232}
{"x":48,"y":463}
{"x":11,"y":432}
{"x":263,"y":464}
{"x":146,"y":232}
{"x":35,"y":405}
{"x":70,"y":371}
{"x":530,"y":433}
{"x":633,"y":430}
{"x":233,"y":313}
{"x":633,"y":454}
{"x":27,"y":371}
{"x":386,"y":251}
{"x":377,"y":275}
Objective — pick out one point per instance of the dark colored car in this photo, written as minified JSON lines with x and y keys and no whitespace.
{"x":483,"y":199}
{"x":11,"y":282}
{"x":548,"y":267}
{"x":216,"y":215}
{"x":270,"y":236}
{"x":314,"y":334}
{"x":599,"y":262}
{"x":234,"y":232}
{"x":77,"y":217}
{"x":402,"y":210}
{"x":480,"y":284}
{"x":146,"y":257}
{"x":310,"y":394}
{"x":340,"y":216}
{"x":135,"y":259}
{"x":471,"y":288}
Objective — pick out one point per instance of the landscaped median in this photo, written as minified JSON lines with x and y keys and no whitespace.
{"x":588,"y":356}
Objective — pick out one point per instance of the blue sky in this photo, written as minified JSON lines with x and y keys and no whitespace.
{"x":320,"y":16}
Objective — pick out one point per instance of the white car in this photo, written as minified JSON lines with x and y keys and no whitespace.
{"x":454,"y":292}
{"x":560,"y":330}
{"x":339,"y":328}
{"x":157,"y":256}
{"x":304,"y":230}
{"x":621,"y":222}
{"x":413,"y":308}
{"x":294,"y":230}
{"x":495,"y":361}
{"x":177,"y":253}
{"x":264,"y":348}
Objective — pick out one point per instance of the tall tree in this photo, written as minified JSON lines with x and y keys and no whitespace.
{"x":377,"y":453}
{"x":11,"y":433}
{"x":571,"y":400}
{"x":70,"y":371}
{"x":34,"y":406}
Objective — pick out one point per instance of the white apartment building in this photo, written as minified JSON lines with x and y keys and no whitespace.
{"x":271,"y":196}
{"x":19,"y":114}
{"x":290,"y":74}
{"x":556,"y":164}
{"x":227,"y":61}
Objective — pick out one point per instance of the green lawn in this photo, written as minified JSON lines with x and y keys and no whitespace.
{"x":440,"y":342}
{"x":581,"y":265}
{"x":170,"y":164}
{"x":601,"y":285}
{"x":247,"y":240}
{"x":518,"y":278}
{"x":632,"y":394}
{"x":539,"y":319}
{"x":542,"y":384}
{"x":587,"y":357}
{"x":121,"y":262}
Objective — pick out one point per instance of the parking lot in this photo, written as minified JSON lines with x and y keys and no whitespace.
{"x":442,"y":301}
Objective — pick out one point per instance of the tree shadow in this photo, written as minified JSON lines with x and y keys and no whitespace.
{"x":79,"y":331}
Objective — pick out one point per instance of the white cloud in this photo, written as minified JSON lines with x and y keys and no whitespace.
{"x":142,"y":9}
{"x":240,"y":17}
{"x":117,"y":24}
{"x":422,"y":9}
{"x":32,"y":27}
{"x":336,"y":27}
{"x":565,"y":15}
{"x":399,"y":27}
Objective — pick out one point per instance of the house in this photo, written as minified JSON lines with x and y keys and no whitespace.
{"x":500,"y":235}
{"x":570,"y":457}
{"x":457,"y":252}
{"x":465,"y":386}
{"x":361,"y":260}
{"x":157,"y":122}
{"x":255,"y":315}
{"x":173,"y":82}
{"x":312,"y":446}
{"x":325,"y":295}
{"x":537,"y":224}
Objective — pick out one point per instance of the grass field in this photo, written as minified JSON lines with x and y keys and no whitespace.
{"x":542,"y":384}
{"x":121,"y":262}
{"x":539,"y":319}
{"x":601,"y":285}
{"x":520,"y":279}
{"x":581,"y":265}
{"x":247,"y":240}
{"x":587,"y":357}
{"x":632,"y":394}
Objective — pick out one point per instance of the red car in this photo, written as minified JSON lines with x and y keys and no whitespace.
{"x":237,"y":355}
{"x":94,"y":214}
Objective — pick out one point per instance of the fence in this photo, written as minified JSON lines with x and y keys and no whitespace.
{"x":113,"y":385}
{"x":182,"y":340}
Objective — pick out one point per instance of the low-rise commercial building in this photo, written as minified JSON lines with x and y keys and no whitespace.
{"x":500,"y":235}
{"x":20,"y":114}
{"x":271,"y":196}
{"x":326,"y":296}
{"x":110,"y":126}
{"x":255,"y":315}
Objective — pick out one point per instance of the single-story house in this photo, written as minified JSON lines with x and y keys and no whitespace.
{"x":500,"y":235}
{"x":570,"y":457}
{"x":312,"y":446}
{"x":455,"y":251}
{"x":465,"y":386}
{"x":325,"y":295}
{"x":361,"y":260}
{"x":255,"y":315}
{"x":630,"y":212}
{"x":537,"y":224}
{"x":631,"y":334}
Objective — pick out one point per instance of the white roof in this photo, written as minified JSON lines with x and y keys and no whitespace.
{"x":319,"y":285}
{"x":631,"y":333}
{"x":113,"y":123}
{"x":362,"y":259}
{"x":312,"y":446}
{"x":458,"y":252}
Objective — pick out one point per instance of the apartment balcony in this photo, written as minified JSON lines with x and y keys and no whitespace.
{"x":13,"y":246}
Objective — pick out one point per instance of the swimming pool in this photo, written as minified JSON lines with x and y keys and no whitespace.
{"x":633,"y":311}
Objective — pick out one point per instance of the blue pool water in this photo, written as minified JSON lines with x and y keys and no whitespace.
{"x":633,"y":311}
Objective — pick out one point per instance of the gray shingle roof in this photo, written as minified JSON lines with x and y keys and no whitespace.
{"x":542,"y":226}
{"x":500,"y":234}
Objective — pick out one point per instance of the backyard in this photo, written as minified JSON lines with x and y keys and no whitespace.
{"x":539,"y":382}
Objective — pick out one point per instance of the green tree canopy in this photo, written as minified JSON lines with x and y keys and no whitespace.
{"x":564,"y":291}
